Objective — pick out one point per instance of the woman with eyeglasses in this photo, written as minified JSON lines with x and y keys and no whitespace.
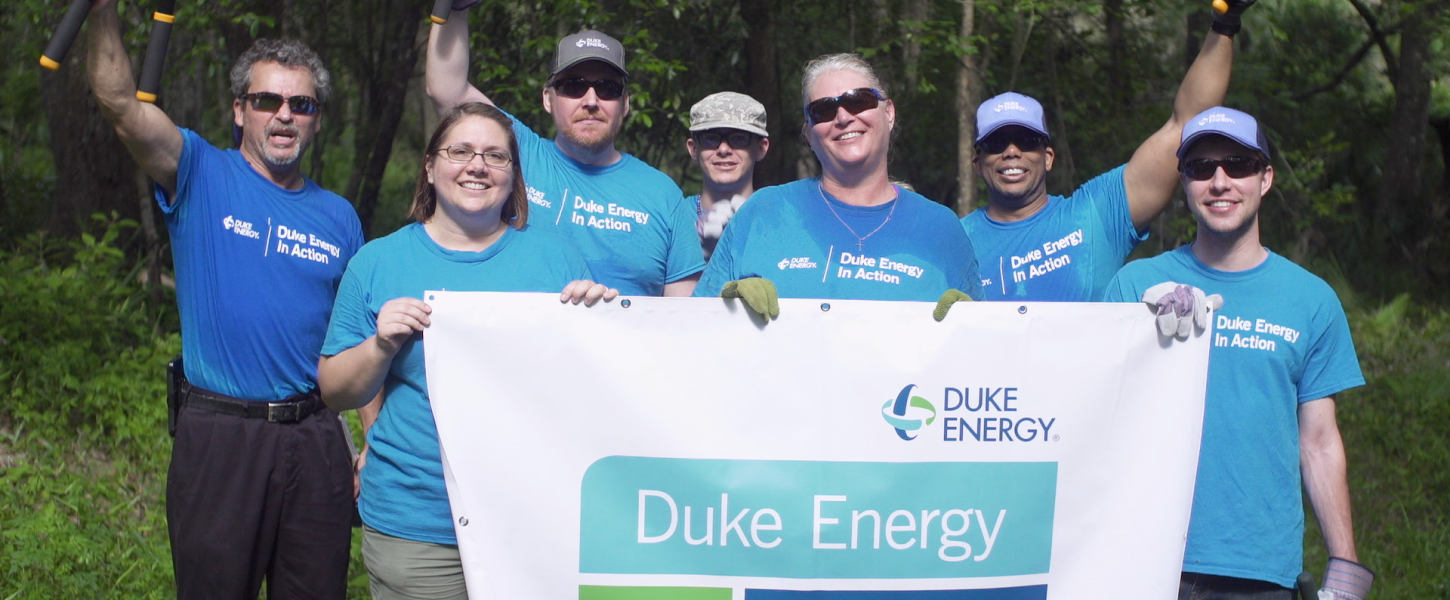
{"x":471,"y":234}
{"x":849,"y":233}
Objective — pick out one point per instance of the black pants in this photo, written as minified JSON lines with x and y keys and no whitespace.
{"x":1197,"y":586}
{"x":247,"y":500}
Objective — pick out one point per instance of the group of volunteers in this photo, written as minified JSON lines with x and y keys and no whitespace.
{"x":287,"y":316}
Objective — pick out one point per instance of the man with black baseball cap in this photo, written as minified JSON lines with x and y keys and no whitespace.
{"x":727,"y":137}
{"x":630,"y":220}
{"x":1281,"y":351}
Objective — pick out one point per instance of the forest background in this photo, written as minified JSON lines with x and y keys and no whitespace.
{"x":1354,"y":94}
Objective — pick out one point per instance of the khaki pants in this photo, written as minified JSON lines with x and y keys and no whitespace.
{"x":400,"y":569}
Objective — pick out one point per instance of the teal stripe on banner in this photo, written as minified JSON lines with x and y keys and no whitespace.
{"x":802,"y":519}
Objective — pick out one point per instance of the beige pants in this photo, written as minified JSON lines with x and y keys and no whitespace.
{"x":400,"y":569}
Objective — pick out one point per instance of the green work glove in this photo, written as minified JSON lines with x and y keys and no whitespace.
{"x":758,"y":294}
{"x":1226,"y":15}
{"x":948,"y":298}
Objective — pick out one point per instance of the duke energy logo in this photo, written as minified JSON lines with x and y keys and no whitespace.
{"x":908,"y":413}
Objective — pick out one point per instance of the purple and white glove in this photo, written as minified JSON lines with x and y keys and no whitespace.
{"x":1345,"y":580}
{"x":1180,"y":307}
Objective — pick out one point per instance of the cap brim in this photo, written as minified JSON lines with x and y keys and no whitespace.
{"x":729,"y":125}
{"x":1188,"y":142}
{"x":579,"y":59}
{"x":981,"y":135}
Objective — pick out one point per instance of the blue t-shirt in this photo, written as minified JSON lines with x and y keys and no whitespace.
{"x":1280,"y":340}
{"x":403,"y":494}
{"x":257,"y":268}
{"x":1066,"y":252}
{"x":796,"y":235}
{"x":630,"y":220}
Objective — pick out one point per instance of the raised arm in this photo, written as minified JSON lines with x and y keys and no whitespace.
{"x":1152,"y":174}
{"x":148,"y":133}
{"x":446,"y":73}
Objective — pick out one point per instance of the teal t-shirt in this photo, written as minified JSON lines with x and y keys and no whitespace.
{"x":403,"y":494}
{"x":1280,"y":340}
{"x":629,"y":220}
{"x":1066,"y":252}
{"x":802,"y":239}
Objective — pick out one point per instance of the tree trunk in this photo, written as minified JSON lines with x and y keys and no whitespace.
{"x":383,"y":57}
{"x":917,"y":12}
{"x":762,"y":77}
{"x":1117,"y":78}
{"x":95,"y":171}
{"x":1404,"y":159}
{"x":970,"y":68}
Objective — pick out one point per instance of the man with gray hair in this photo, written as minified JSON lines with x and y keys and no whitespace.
{"x":727,"y":138}
{"x":260,"y":484}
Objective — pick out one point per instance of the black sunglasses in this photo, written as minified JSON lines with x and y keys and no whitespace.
{"x":576,"y":87}
{"x":271,"y":102}
{"x":854,"y":101}
{"x":1024,"y":141}
{"x":1237,"y":167}
{"x":710,"y":139}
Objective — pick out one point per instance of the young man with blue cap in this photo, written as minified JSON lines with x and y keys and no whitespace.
{"x":1032,"y":246}
{"x":1281,"y":351}
{"x":629,"y":219}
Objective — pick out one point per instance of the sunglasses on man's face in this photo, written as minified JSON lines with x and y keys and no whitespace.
{"x":576,"y":87}
{"x":270,"y":102}
{"x":1237,"y":167}
{"x":854,"y":101}
{"x":710,"y":139}
{"x":1024,"y":141}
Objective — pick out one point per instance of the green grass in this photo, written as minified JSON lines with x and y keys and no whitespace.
{"x":1397,"y":437}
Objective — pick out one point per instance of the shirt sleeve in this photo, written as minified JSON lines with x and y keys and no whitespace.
{"x":352,"y":320}
{"x":685,"y":256}
{"x":186,"y":167}
{"x":1109,"y":196}
{"x":1332,"y":365}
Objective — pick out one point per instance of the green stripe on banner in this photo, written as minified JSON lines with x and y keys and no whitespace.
{"x":614,"y":592}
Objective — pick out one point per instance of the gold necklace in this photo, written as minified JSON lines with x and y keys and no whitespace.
{"x":860,"y":239}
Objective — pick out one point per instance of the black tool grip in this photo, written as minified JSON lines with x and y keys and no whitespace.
{"x":65,"y":33}
{"x":441,"y":10}
{"x":161,"y":22}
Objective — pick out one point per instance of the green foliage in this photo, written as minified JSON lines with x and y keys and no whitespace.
{"x":75,"y":521}
{"x":1394,"y":435}
{"x":82,"y":347}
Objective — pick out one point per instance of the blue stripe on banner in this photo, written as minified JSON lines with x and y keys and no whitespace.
{"x":1030,"y":592}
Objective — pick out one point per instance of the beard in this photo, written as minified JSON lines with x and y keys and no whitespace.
{"x":282,"y":157}
{"x":593,"y":139}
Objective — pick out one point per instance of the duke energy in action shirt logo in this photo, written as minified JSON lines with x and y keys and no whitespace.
{"x":908,"y":413}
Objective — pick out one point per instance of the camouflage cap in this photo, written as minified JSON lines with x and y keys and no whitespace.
{"x":729,"y":110}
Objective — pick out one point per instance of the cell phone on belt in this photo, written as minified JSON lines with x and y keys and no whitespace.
{"x":174,"y":378}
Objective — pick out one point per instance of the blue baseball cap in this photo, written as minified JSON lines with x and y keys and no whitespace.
{"x":1227,"y":122}
{"x":1010,"y":108}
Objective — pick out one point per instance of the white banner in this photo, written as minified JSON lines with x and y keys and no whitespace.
{"x":679,"y":448}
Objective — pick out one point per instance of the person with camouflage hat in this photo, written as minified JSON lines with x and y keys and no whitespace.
{"x":727,"y":138}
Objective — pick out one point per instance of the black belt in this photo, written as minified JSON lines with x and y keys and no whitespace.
{"x":290,"y":410}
